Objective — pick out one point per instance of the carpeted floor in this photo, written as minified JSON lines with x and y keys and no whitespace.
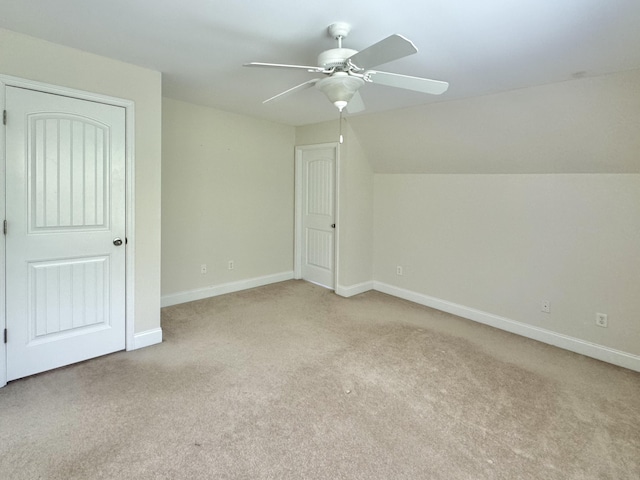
{"x":290,"y":381}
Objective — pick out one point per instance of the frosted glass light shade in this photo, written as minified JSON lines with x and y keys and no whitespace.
{"x":340,"y":88}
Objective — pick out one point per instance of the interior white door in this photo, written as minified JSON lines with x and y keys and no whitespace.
{"x":65,"y":211}
{"x":318,"y":215}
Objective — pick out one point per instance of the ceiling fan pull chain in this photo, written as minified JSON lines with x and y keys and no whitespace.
{"x":340,"y":137}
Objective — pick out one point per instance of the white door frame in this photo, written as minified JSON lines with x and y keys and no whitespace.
{"x":129,"y":106}
{"x":297,"y":249}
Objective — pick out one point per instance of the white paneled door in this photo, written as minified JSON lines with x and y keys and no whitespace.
{"x":318,"y":214}
{"x":65,"y":241}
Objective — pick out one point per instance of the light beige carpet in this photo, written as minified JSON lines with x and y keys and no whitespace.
{"x":290,"y":381}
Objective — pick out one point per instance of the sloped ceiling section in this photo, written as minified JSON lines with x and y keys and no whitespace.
{"x":479,"y":47}
{"x":587,"y":125}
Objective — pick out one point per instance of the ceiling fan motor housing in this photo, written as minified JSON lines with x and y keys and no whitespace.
{"x":335,"y":58}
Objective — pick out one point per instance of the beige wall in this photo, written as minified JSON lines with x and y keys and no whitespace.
{"x":34,"y":59}
{"x":355,"y":215}
{"x":588,"y":125}
{"x":325,"y":132}
{"x":504,"y":243}
{"x":227,"y":194}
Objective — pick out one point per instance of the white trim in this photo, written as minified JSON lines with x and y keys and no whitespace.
{"x":599,"y":352}
{"x":147,"y":338}
{"x":3,"y":318}
{"x":215,"y":290}
{"x":352,"y":290}
{"x":297,"y":244}
{"x":64,"y":91}
{"x":129,"y":106}
{"x":336,"y":213}
{"x":130,"y":251}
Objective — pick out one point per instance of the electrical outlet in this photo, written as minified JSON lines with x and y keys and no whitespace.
{"x":399,"y":270}
{"x":230,"y":264}
{"x":546,"y":306}
{"x":203,"y":269}
{"x":602,"y":320}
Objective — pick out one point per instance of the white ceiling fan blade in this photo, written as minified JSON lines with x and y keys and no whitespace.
{"x":356,"y":104}
{"x":297,"y":88}
{"x":391,"y":48}
{"x":424,"y":85}
{"x":280,"y":65}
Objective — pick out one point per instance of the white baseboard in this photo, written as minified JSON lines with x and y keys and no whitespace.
{"x":599,"y":352}
{"x":352,"y":290}
{"x":214,"y":290}
{"x":146,"y":338}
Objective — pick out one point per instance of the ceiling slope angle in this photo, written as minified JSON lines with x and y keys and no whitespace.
{"x":346,"y":70}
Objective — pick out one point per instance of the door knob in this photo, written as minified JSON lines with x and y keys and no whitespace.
{"x":117,"y":241}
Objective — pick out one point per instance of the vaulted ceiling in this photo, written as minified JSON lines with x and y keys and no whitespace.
{"x":479,"y":47}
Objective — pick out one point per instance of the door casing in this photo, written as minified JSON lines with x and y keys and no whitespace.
{"x":129,"y":106}
{"x":297,"y":264}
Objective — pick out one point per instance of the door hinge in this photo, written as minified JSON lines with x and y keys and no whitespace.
{"x":5,"y":335}
{"x":4,"y":117}
{"x":4,"y":227}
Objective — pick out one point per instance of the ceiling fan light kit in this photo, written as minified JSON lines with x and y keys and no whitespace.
{"x":348,"y":70}
{"x":340,"y":88}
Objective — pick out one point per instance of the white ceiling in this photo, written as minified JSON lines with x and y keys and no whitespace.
{"x":479,"y":47}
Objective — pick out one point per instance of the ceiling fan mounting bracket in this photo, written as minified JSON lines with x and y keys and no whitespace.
{"x":339,"y":30}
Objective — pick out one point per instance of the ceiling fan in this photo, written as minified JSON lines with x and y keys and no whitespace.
{"x":347,"y":70}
